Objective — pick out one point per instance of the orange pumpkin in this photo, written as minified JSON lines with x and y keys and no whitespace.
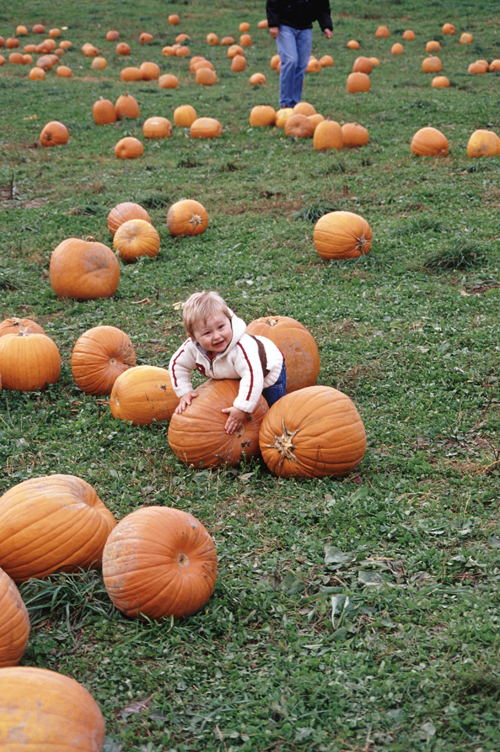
{"x":112,"y":35}
{"x":28,"y":361}
{"x":312,"y":433}
{"x":205,"y":127}
{"x":184,"y":115}
{"x":342,"y":234}
{"x":448,"y":28}
{"x":257,"y":79}
{"x":129,"y":147}
{"x":44,"y":710}
{"x":14,"y":624}
{"x":98,"y":63}
{"x":84,"y":269}
{"x":227,"y":41}
{"x":328,"y":135}
{"x":130,"y":73}
{"x":382,"y":32}
{"x":136,"y":238}
{"x":466,"y":38}
{"x":238,"y":63}
{"x":326,"y":61}
{"x":126,"y":106}
{"x":15,"y":325}
{"x":145,"y":37}
{"x":104,"y":112}
{"x":432,"y":46}
{"x":54,"y":134}
{"x":36,"y":74}
{"x":362,"y":65}
{"x":187,"y":217}
{"x":397,"y":49}
{"x":352,"y":44}
{"x":262,"y":115}
{"x":168,"y":81}
{"x":409,"y":35}
{"x":432,"y":65}
{"x":173,"y":19}
{"x":297,"y":345}
{"x":246,"y":40}
{"x":157,"y":127}
{"x":354,"y":135}
{"x":99,"y":356}
{"x":482,"y":143}
{"x":150,"y":71}
{"x":54,"y":523}
{"x":205,"y":77}
{"x":64,"y":72}
{"x":123,"y":212}
{"x":122,"y":48}
{"x":212,"y":39}
{"x":244,"y":26}
{"x":429,"y":142}
{"x":159,"y":562}
{"x":143,"y":394}
{"x":440,"y":82}
{"x":299,"y":126}
{"x":357,"y":82}
{"x":197,"y":436}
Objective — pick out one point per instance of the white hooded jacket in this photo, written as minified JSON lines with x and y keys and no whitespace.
{"x":240,"y":360}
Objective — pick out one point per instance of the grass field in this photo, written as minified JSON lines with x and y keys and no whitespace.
{"x":356,"y":614}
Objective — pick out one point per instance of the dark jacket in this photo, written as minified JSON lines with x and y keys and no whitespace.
{"x":299,"y":14}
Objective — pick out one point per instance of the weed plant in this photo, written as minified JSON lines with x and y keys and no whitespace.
{"x":354,"y":614}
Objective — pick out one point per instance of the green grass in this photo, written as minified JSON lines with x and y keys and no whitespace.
{"x":348,"y":614}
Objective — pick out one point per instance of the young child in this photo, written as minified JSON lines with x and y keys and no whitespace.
{"x":219,"y":348}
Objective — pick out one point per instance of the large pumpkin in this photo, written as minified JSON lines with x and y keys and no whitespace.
{"x":297,"y":345}
{"x":357,"y":82}
{"x":354,"y":135}
{"x":15,"y":325}
{"x":143,"y":394}
{"x":129,"y":147}
{"x":159,"y":562}
{"x":28,"y":361}
{"x":328,"y":135}
{"x":14,"y":623}
{"x":342,"y":234}
{"x":205,"y":127}
{"x":187,"y":217}
{"x":45,"y":711}
{"x":483,"y":143}
{"x":429,"y":142}
{"x":197,"y":436}
{"x":99,"y":356}
{"x":84,"y":269}
{"x":312,"y":433}
{"x":299,"y":126}
{"x":103,"y":111}
{"x":54,"y":523}
{"x":126,"y":106}
{"x":184,"y":115}
{"x":54,"y":134}
{"x":136,"y":238}
{"x":123,"y":212}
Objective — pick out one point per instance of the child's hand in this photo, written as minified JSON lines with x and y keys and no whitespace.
{"x":186,"y":400}
{"x":235,"y":419}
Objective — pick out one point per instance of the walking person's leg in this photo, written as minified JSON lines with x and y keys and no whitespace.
{"x":303,"y":47}
{"x":287,"y":50}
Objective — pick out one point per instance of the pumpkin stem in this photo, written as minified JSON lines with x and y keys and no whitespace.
{"x":182,"y":560}
{"x":195,"y":220}
{"x":284,"y":445}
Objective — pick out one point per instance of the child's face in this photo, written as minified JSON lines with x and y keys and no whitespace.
{"x":214,"y":334}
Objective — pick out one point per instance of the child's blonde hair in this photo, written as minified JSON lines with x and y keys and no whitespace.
{"x":200,"y":306}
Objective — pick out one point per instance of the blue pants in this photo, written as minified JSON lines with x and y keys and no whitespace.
{"x":272,"y":393}
{"x":294,"y":49}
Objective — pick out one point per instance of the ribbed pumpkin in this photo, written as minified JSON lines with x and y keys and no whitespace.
{"x":312,"y":433}
{"x":362,"y":65}
{"x":168,"y":81}
{"x":342,"y":234}
{"x":429,"y":142}
{"x":136,"y":238}
{"x":54,"y":523}
{"x":299,"y":126}
{"x":143,"y":394}
{"x":159,"y":562}
{"x":354,"y":135}
{"x":83,"y":269}
{"x":357,"y":82}
{"x":45,"y":711}
{"x":54,"y":134}
{"x":157,"y":127}
{"x":126,"y":106}
{"x":197,"y":436}
{"x":328,"y":135}
{"x":184,"y":115}
{"x":150,"y":71}
{"x":28,"y":361}
{"x":262,"y":115}
{"x":123,"y":212}
{"x":104,"y":112}
{"x":257,"y":79}
{"x":205,"y":127}
{"x":304,"y":108}
{"x":187,"y":217}
{"x":482,"y":143}
{"x":99,"y":356}
{"x":297,"y":345}
{"x":15,"y":325}
{"x":14,"y":624}
{"x":432,"y":64}
{"x":440,"y":82}
{"x":205,"y":76}
{"x":129,"y":147}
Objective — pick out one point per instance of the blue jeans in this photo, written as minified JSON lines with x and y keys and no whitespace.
{"x":272,"y":393}
{"x":294,"y":49}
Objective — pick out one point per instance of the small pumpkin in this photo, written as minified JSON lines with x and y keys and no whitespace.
{"x":45,"y":710}
{"x":197,"y":436}
{"x":112,"y":35}
{"x":397,"y":49}
{"x":362,"y":65}
{"x":328,"y":135}
{"x":342,"y":234}
{"x":168,"y":81}
{"x":187,"y":217}
{"x":246,"y":40}
{"x":466,"y":38}
{"x":129,"y":147}
{"x":244,"y":26}
{"x":326,"y":61}
{"x":126,"y":106}
{"x":123,"y":212}
{"x":227,"y":41}
{"x":357,"y":82}
{"x":233,"y":50}
{"x":98,"y":63}
{"x":432,"y":64}
{"x":103,"y":112}
{"x":145,"y":37}
{"x":238,"y":63}
{"x":84,"y":270}
{"x":130,"y":73}
{"x":429,"y":142}
{"x":159,"y":562}
{"x":282,"y":116}
{"x":262,"y":115}
{"x":122,"y":48}
{"x":433,"y":46}
{"x":354,"y":135}
{"x":205,"y":127}
{"x":313,"y":433}
{"x":15,"y":325}
{"x":99,"y":356}
{"x":53,"y":523}
{"x":299,"y":126}
{"x":157,"y":127}
{"x":257,"y":79}
{"x":409,"y":35}
{"x":150,"y":71}
{"x":14,"y":623}
{"x":136,"y":238}
{"x":36,"y":74}
{"x":482,"y":143}
{"x":64,"y":72}
{"x":54,"y":134}
{"x":184,"y":115}
{"x":353,"y":44}
{"x":212,"y":39}
{"x":28,"y":361}
{"x":440,"y":82}
{"x":297,"y":345}
{"x":448,"y":28}
{"x":304,"y":108}
{"x":143,"y":394}
{"x":205,"y":76}
{"x":173,"y":19}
